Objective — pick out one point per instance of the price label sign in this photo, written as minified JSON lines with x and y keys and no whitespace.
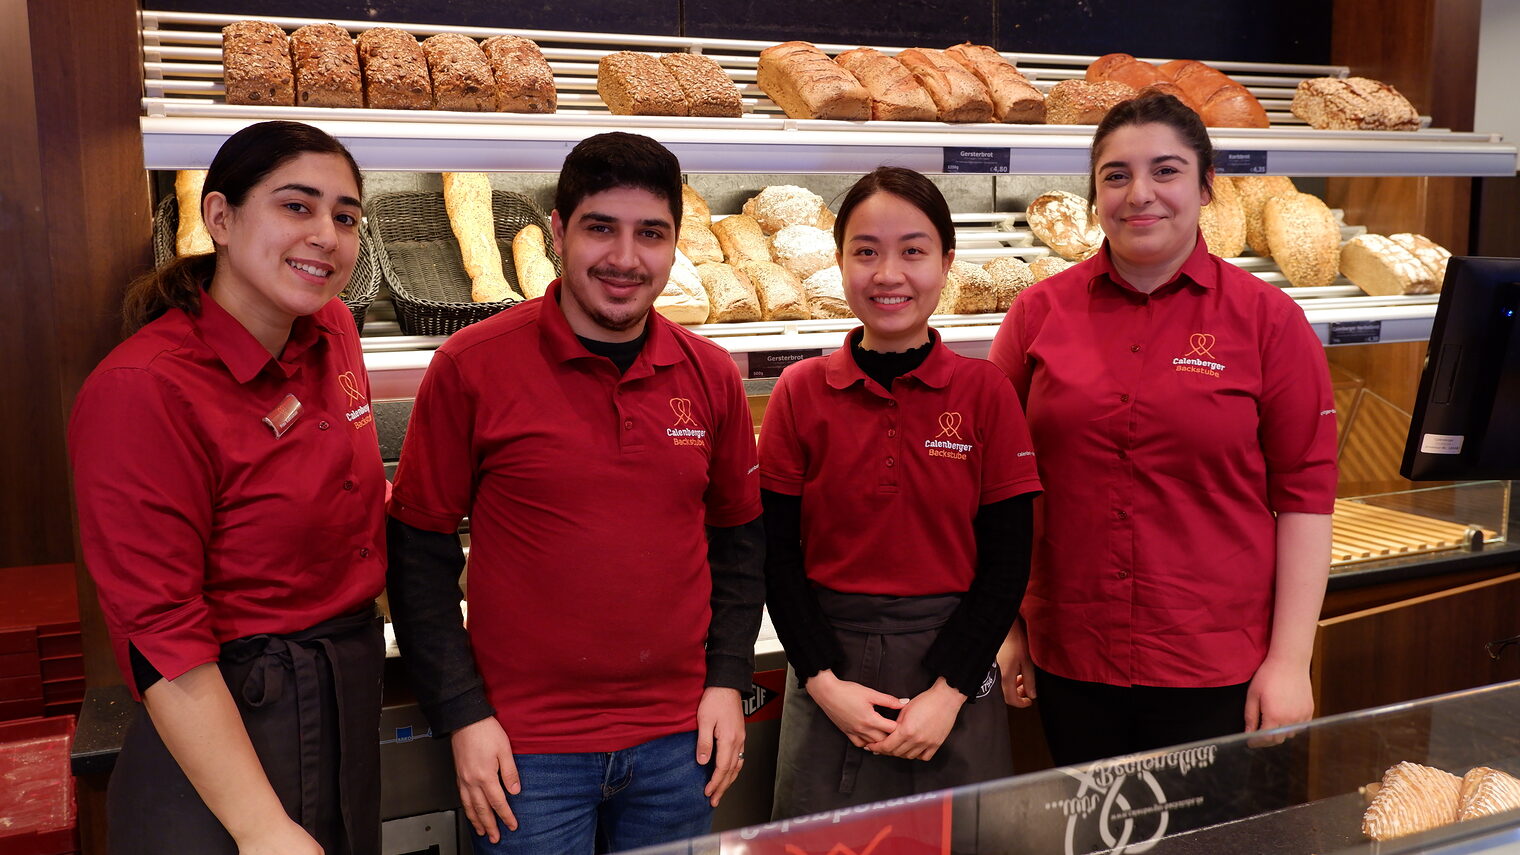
{"x":963,"y":161}
{"x":771,"y":363}
{"x":1356,"y":332}
{"x":1240,"y":162}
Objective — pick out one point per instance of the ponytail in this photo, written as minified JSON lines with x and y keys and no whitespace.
{"x":176,"y":285}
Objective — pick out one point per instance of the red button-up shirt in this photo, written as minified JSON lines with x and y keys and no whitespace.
{"x":198,"y":524}
{"x":1171,"y":427}
{"x":891,"y":480}
{"x":587,"y":494}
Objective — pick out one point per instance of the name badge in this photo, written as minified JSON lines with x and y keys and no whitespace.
{"x":282,"y":417}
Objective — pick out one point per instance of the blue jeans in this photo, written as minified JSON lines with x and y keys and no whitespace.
{"x":577,"y":804}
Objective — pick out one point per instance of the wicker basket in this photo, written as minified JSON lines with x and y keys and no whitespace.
{"x":363,"y":285}
{"x":421,"y":264}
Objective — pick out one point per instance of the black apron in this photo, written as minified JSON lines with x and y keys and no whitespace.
{"x":311,"y":704}
{"x":884,"y":641}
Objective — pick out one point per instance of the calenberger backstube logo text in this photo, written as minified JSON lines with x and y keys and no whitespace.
{"x":683,"y":435}
{"x":1199,"y":360}
{"x":941,"y":446}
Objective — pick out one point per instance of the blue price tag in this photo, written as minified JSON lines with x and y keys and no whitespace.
{"x":976,"y":160}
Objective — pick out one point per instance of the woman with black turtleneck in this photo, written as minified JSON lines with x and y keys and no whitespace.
{"x":897,"y":478}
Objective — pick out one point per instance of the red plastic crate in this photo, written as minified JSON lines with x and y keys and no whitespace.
{"x":21,"y":687}
{"x":63,"y":691}
{"x":18,"y":640}
{"x":38,"y":815}
{"x":20,"y":709}
{"x":62,"y":667}
{"x":20,"y":664}
{"x":59,"y":644}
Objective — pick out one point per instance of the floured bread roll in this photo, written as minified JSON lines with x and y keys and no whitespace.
{"x":741,"y":239}
{"x":1065,"y":223}
{"x":729,"y":292}
{"x":191,"y":237}
{"x":697,"y":239}
{"x":782,"y":205}
{"x":467,"y":196}
{"x":1254,"y":191}
{"x":1304,"y":238}
{"x":530,"y":259}
{"x":1412,"y":798}
{"x":1431,"y":254}
{"x":1223,"y":220}
{"x":684,"y":299}
{"x":825,"y":294}
{"x":804,"y":250}
{"x":1486,"y":792}
{"x":1010,"y":275}
{"x":781,"y":297}
{"x":1044,"y":268}
{"x":1383,"y":268}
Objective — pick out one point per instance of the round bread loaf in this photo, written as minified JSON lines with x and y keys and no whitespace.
{"x":1010,"y":275}
{"x":804,"y":250}
{"x":1254,"y":191}
{"x":1044,"y":268}
{"x":1223,"y":220}
{"x":1098,"y":70}
{"x":1066,"y":224}
{"x":782,"y":205}
{"x":1304,"y":238}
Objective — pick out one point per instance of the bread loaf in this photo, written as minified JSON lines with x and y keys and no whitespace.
{"x":637,"y":84}
{"x":696,"y":237}
{"x":975,"y":293}
{"x":1383,"y":268}
{"x":1304,"y":238}
{"x":1123,"y":68}
{"x":705,"y":85}
{"x":782,"y":205}
{"x":803,"y":250}
{"x":256,"y":66}
{"x":781,"y":297}
{"x":1412,"y":798}
{"x":741,"y":239}
{"x":1065,"y":223}
{"x":461,"y":74}
{"x":805,"y":83}
{"x":730,"y":294}
{"x":395,"y":70}
{"x":190,"y":237}
{"x":530,"y":260}
{"x":524,"y":81}
{"x":1078,"y":102}
{"x":1223,"y":220}
{"x":1254,"y":191}
{"x":467,"y":197}
{"x":1431,"y":254}
{"x":1166,"y":87}
{"x":1485,"y":792}
{"x":1097,"y":70}
{"x":1010,"y":275}
{"x":684,"y":298}
{"x":825,"y":294}
{"x":1220,"y":101}
{"x":1353,"y":103}
{"x":896,"y":94}
{"x":958,"y":95}
{"x":1014,"y":99}
{"x":1197,"y":80}
{"x":327,"y":67}
{"x":1048,"y":266}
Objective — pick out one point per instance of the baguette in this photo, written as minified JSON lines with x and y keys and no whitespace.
{"x":1014,"y":99}
{"x":461,"y":74}
{"x":524,"y":81}
{"x":467,"y":197}
{"x":1223,"y":220}
{"x":896,"y":94}
{"x":705,"y":85}
{"x":530,"y":260}
{"x":730,"y":293}
{"x":256,"y":65}
{"x":741,"y":239}
{"x":781,"y":297}
{"x":958,"y":95}
{"x":191,"y":237}
{"x":395,"y":70}
{"x":806,"y":84}
{"x":327,"y":67}
{"x":1304,"y":238}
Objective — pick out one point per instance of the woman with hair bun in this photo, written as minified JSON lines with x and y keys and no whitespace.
{"x":897,"y":480}
{"x":230,"y":495}
{"x":1183,"y":413}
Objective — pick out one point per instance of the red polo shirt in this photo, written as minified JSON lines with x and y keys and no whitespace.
{"x":1171,"y":428}
{"x":198,"y":524}
{"x":891,"y":480}
{"x":587,"y":493}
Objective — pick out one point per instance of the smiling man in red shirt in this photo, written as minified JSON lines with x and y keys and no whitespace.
{"x":606,"y":460}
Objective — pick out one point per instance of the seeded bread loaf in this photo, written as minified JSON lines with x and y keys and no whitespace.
{"x":806,"y":84}
{"x":958,"y":95}
{"x":971,"y":290}
{"x":461,"y":75}
{"x":1383,"y":268}
{"x":1014,"y":99}
{"x":1048,"y":266}
{"x":256,"y":65}
{"x":705,"y":85}
{"x":741,"y":239}
{"x":524,"y":81}
{"x":327,"y":67}
{"x":824,"y":291}
{"x":1223,"y":220}
{"x":1010,"y":275}
{"x":395,"y":70}
{"x":729,"y":292}
{"x":530,"y":259}
{"x":780,"y":293}
{"x":467,"y":197}
{"x":1254,"y":191}
{"x":191,"y":237}
{"x":896,"y":95}
{"x":637,"y":84}
{"x":1078,"y":102}
{"x":1065,"y":223}
{"x":804,"y":250}
{"x":1353,"y":103}
{"x":1304,"y":238}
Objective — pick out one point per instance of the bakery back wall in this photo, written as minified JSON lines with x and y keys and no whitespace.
{"x":1289,"y":31}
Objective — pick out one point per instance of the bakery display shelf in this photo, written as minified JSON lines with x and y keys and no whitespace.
{"x":186,"y":119}
{"x":1363,"y":532}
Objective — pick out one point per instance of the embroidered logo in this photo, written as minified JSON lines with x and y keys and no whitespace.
{"x":940,"y":445}
{"x":1200,"y":359}
{"x":359,"y":415}
{"x":988,"y":682}
{"x":693,"y":435}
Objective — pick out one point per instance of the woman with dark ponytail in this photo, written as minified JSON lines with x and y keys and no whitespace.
{"x":230,"y":497}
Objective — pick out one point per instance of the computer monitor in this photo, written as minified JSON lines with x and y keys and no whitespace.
{"x":1466,"y":421}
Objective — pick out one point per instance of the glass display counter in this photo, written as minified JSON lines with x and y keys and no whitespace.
{"x":1293,"y":791}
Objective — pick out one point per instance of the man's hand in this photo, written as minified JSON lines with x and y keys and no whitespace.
{"x":852,"y":708}
{"x":720,"y":722}
{"x":482,"y":762}
{"x":1018,"y":669}
{"x":1280,"y":694}
{"x":923,"y":724}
